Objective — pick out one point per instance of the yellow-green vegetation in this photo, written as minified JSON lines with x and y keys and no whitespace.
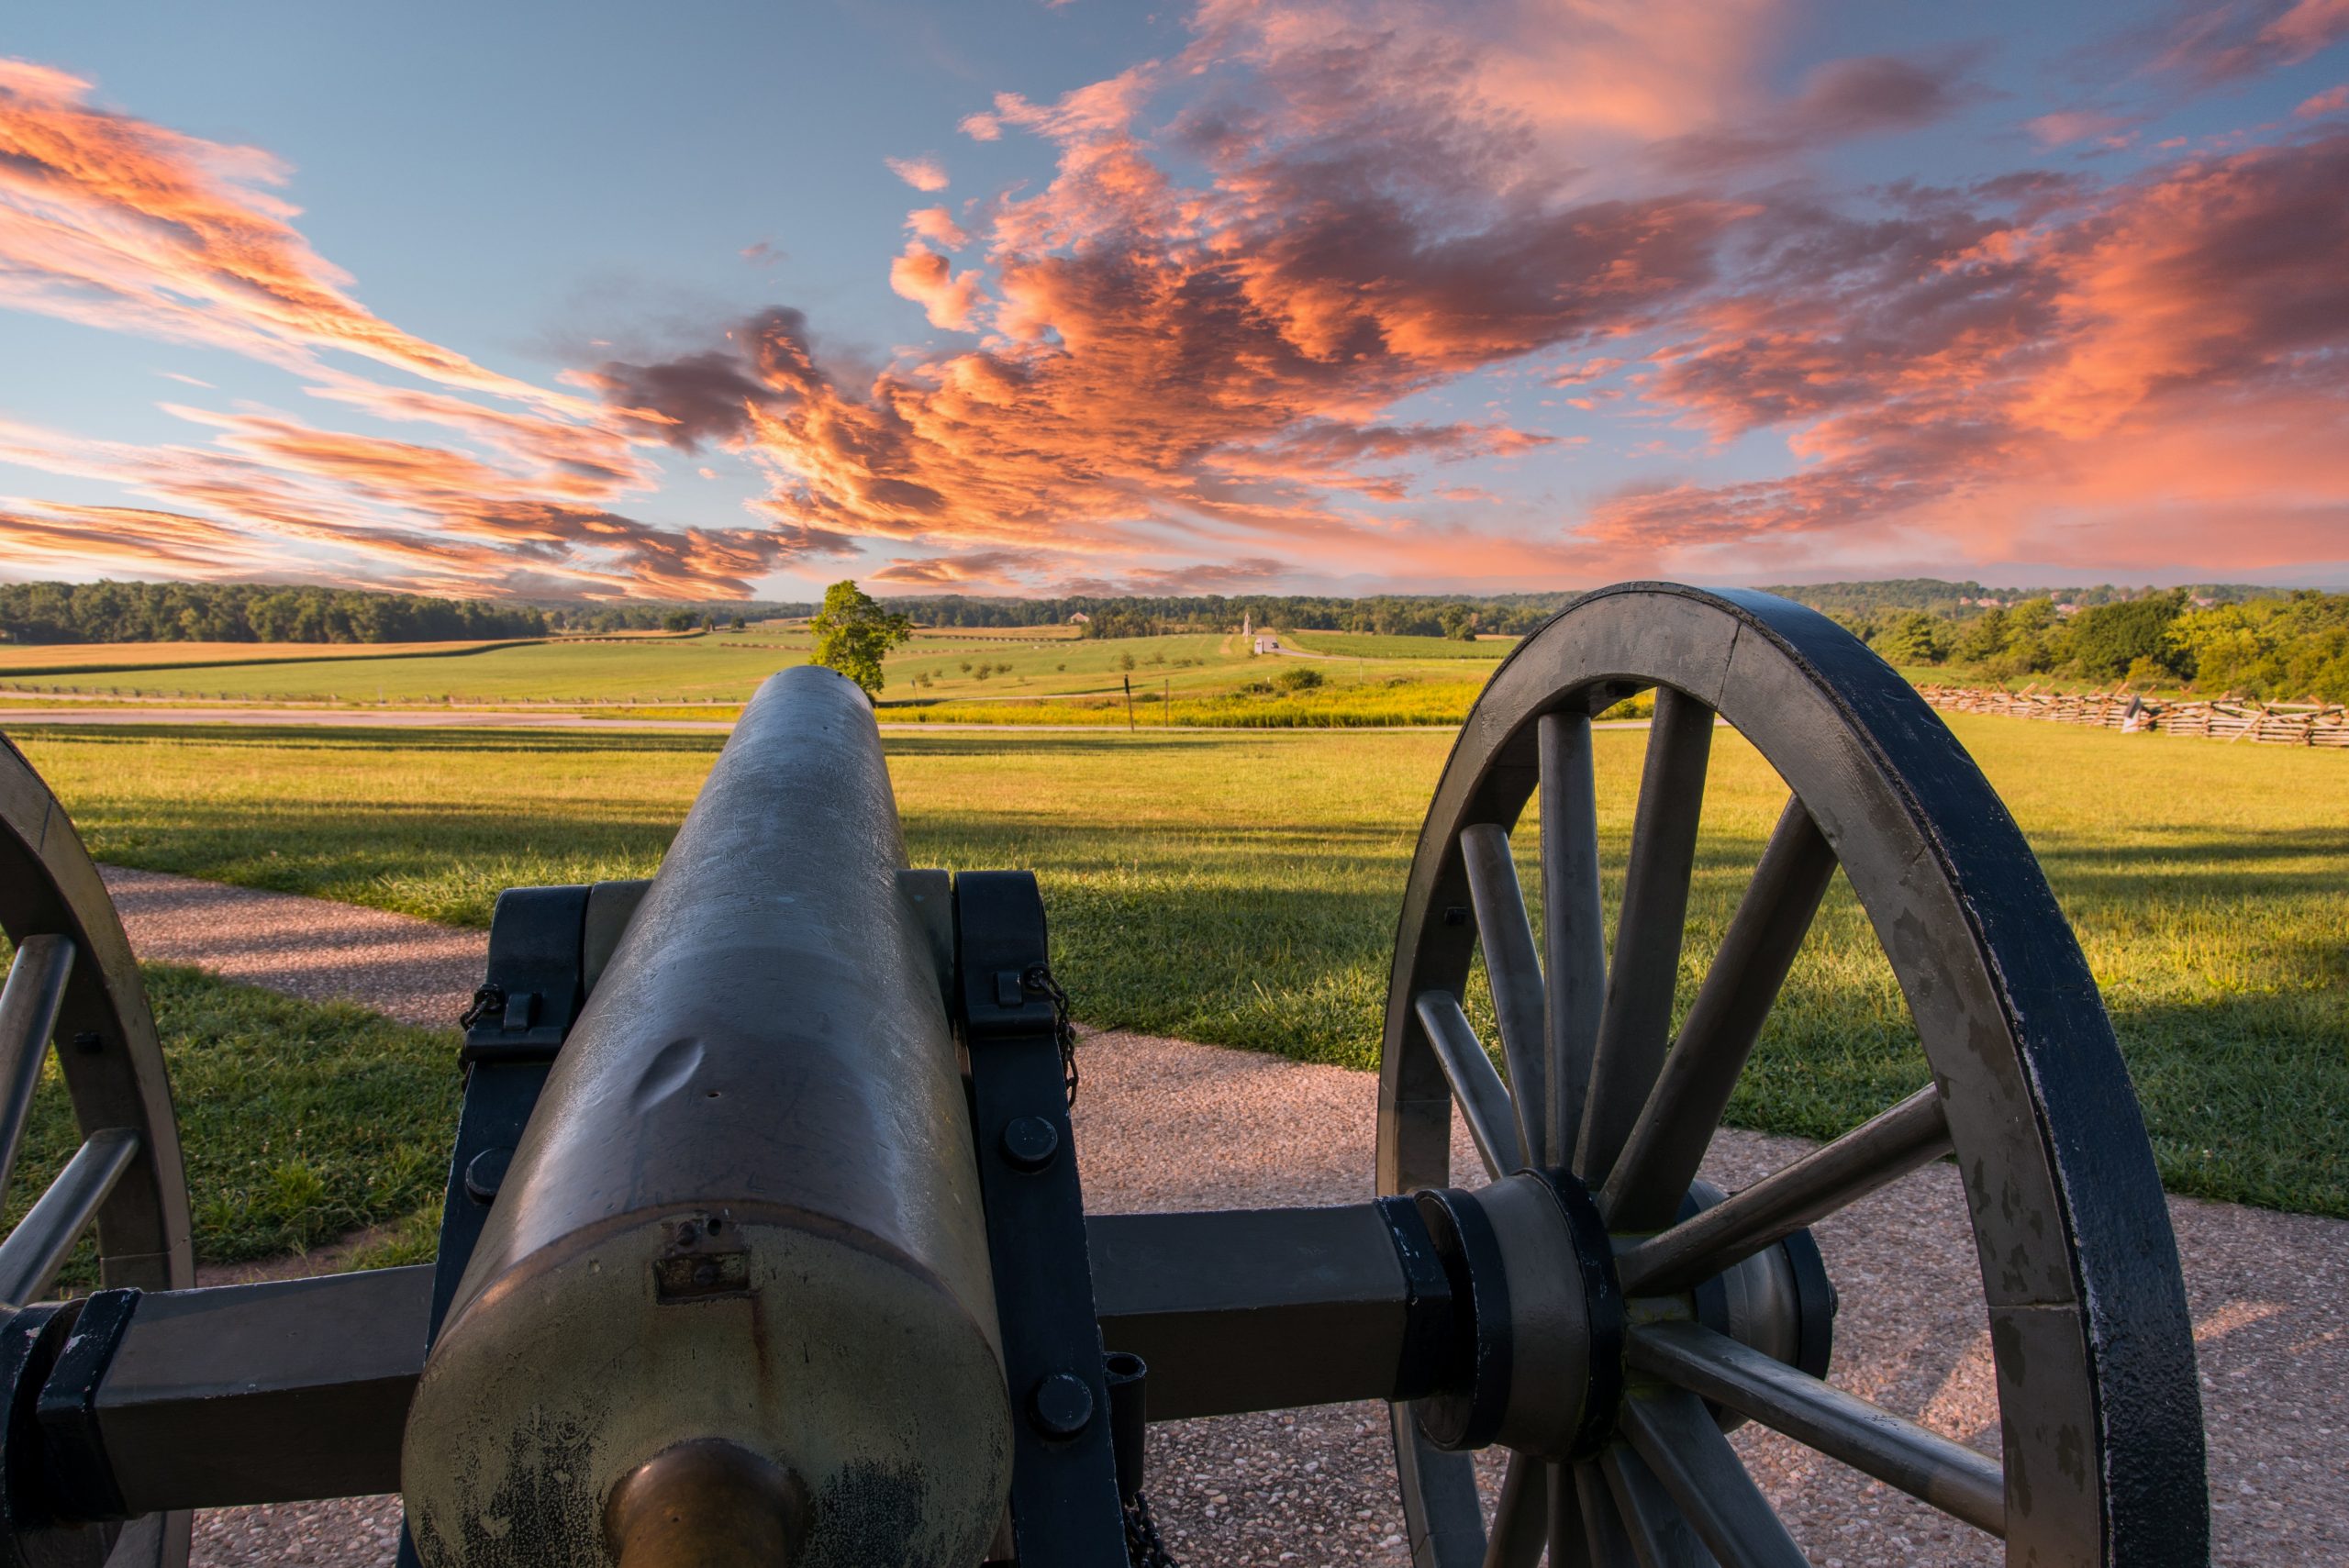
{"x":67,"y":659}
{"x":1039,"y":676}
{"x":1371,"y":645}
{"x":300,"y":1123}
{"x":1242,"y":888}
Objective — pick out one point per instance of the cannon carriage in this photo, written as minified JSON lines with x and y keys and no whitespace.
{"x":765,"y":1241}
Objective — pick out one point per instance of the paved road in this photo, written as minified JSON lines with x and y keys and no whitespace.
{"x":1162,"y":1124}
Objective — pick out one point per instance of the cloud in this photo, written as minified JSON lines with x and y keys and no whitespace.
{"x":2213,"y":44}
{"x":2063,"y":127}
{"x":761,"y":253}
{"x":926,"y":277}
{"x":923,"y":173}
{"x":1841,"y":100}
{"x":115,"y":222}
{"x":1209,"y":361}
{"x":1003,"y":570}
{"x":2149,"y":359}
{"x":937,"y":225}
{"x":2332,"y":101}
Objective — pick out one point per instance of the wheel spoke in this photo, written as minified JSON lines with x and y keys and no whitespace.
{"x":1684,"y":1446}
{"x":1573,"y":922}
{"x":1636,"y":1014}
{"x":1871,"y":1155}
{"x":1476,"y":1086}
{"x":1668,"y":1143}
{"x":44,"y":1239}
{"x":1652,"y":1526}
{"x":29,"y":1003}
{"x":1604,"y":1542}
{"x":1516,"y":977}
{"x":1521,"y":1520}
{"x":1930,"y":1467}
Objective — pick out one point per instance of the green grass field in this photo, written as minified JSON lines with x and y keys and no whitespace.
{"x":973,"y":676}
{"x":299,"y":1123}
{"x":1242,"y":889}
{"x":1369,"y":645}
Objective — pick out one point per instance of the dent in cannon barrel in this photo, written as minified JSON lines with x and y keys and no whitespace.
{"x":745,"y":1213}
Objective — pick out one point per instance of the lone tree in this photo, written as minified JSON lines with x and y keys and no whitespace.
{"x":853,"y":633}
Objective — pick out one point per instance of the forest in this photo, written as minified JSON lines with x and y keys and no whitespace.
{"x":249,"y":612}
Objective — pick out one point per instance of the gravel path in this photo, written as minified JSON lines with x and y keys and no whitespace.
{"x":1163,"y":1124}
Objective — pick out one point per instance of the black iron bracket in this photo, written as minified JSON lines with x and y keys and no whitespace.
{"x":1064,"y":1498}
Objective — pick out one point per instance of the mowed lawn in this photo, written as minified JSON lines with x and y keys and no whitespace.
{"x":1242,"y":889}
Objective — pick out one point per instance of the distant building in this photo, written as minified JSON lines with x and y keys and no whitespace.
{"x":1080,"y":619}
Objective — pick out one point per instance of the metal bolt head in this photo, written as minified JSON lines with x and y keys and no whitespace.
{"x":1030,"y":1141}
{"x":486,"y":1172}
{"x":1061,"y":1405}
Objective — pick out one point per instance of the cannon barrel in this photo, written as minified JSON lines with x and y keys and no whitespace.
{"x":734,"y":1293}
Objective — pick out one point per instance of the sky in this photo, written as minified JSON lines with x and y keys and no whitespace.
{"x":1008,"y":296}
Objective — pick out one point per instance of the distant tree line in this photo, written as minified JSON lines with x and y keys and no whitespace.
{"x":1889,"y":596}
{"x":2279,"y":646}
{"x":248,"y":612}
{"x":1391,"y":615}
{"x":665,"y":615}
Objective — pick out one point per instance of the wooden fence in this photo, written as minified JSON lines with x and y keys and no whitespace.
{"x":2261,"y":723}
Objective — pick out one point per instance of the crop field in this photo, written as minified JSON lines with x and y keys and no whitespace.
{"x":68,"y":658}
{"x":1369,"y":645}
{"x":966,"y":676}
{"x":1242,"y":889}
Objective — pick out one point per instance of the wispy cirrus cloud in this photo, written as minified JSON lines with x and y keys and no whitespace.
{"x":115,"y":222}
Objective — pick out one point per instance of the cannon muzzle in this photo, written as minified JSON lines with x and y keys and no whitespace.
{"x":733,"y":1303}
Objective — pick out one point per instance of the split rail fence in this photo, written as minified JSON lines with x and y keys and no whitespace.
{"x":2261,"y":723}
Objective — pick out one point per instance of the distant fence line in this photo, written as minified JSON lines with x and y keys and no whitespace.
{"x":2261,"y":723}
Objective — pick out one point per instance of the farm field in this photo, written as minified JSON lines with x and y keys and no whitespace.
{"x":62,"y":658}
{"x":1242,"y":889}
{"x":967,"y":675}
{"x":1371,"y":645}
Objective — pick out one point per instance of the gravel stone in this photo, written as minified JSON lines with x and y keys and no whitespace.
{"x":1163,"y":1124}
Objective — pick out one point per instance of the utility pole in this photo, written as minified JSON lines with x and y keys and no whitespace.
{"x":1129,"y":704}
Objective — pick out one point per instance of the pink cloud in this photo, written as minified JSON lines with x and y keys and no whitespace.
{"x":924,"y":276}
{"x":2332,"y":101}
{"x":937,"y":225}
{"x":924,"y":174}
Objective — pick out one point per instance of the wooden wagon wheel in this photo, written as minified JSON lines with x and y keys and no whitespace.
{"x":1601,"y":1363}
{"x":73,"y":980}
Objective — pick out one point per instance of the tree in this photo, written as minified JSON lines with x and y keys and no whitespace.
{"x":853,"y":633}
{"x":2108,"y":638}
{"x":677,"y":620}
{"x":1915,"y":638}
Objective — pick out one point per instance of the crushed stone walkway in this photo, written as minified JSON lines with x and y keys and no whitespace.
{"x":1164,"y":1124}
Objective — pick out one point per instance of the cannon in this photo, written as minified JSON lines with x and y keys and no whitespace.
{"x":764,"y":1241}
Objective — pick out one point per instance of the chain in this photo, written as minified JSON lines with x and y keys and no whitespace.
{"x":1144,"y":1547}
{"x":1038,"y":979}
{"x":488,"y":1000}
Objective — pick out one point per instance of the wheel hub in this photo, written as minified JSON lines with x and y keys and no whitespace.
{"x":1540,"y":1315}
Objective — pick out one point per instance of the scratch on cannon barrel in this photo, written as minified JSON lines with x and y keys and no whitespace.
{"x":763,"y":1240}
